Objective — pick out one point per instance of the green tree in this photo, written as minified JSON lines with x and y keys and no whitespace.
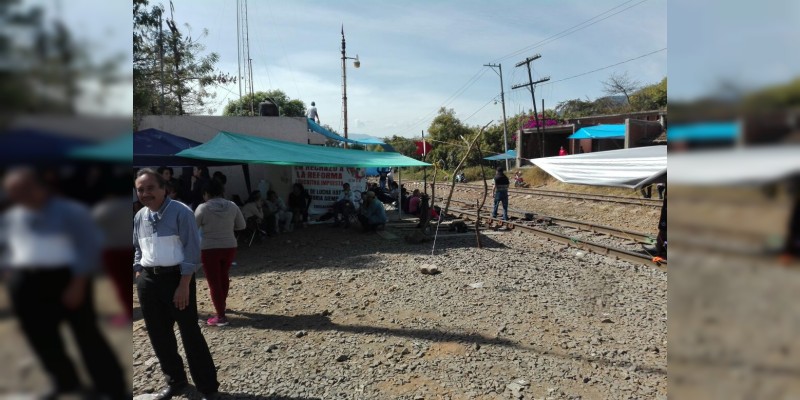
{"x":447,"y":134}
{"x":403,"y":145}
{"x":43,"y":66}
{"x":287,"y":107}
{"x":170,"y":70}
{"x":650,"y":97}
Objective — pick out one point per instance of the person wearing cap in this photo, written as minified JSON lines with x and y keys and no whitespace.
{"x":372,"y":213}
{"x":166,"y":241}
{"x":312,"y":113}
{"x":500,"y":192}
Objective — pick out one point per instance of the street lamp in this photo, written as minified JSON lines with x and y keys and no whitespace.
{"x":357,"y":64}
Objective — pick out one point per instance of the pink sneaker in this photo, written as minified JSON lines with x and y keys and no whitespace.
{"x":217,"y":321}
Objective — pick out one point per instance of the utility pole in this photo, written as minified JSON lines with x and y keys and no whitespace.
{"x":503,"y":102}
{"x":344,"y":86}
{"x":530,"y":86}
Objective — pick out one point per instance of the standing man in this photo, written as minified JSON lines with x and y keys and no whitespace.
{"x":312,"y":113}
{"x":167,"y":253}
{"x":53,"y":249}
{"x":500,"y":192}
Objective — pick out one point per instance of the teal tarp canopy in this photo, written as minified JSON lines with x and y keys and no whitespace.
{"x":315,"y":127}
{"x":509,"y":155}
{"x":616,"y":131}
{"x":725,"y":131}
{"x":119,"y":150}
{"x":236,"y":147}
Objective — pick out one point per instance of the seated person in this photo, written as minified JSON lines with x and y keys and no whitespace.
{"x":344,"y":205}
{"x":372,"y":214}
{"x":414,"y":202}
{"x":252,"y":208}
{"x":276,"y":208}
{"x":299,"y":202}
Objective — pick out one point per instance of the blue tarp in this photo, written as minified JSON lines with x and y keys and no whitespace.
{"x":315,"y":127}
{"x":152,"y":148}
{"x":25,"y":146}
{"x":710,"y":131}
{"x":616,"y":131}
{"x":509,"y":155}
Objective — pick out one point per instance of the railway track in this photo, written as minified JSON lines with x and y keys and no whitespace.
{"x":611,"y":242}
{"x":553,"y":193}
{"x":634,"y":257}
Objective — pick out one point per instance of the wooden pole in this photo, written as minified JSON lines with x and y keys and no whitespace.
{"x":458,"y":168}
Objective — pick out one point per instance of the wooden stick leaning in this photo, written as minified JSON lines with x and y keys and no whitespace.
{"x":460,"y":164}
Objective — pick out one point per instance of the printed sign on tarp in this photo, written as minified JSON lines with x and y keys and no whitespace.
{"x":324,"y":184}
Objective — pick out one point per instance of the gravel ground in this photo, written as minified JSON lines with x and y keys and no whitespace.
{"x":331,"y":313}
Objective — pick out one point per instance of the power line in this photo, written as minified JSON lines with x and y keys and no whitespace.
{"x":452,"y":97}
{"x":606,"y":67}
{"x":478,"y":110}
{"x":571,"y":30}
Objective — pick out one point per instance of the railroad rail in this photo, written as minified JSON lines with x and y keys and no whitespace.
{"x":608,"y":251}
{"x":638,"y":237}
{"x":559,"y":194}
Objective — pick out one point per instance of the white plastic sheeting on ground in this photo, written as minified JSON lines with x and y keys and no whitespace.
{"x":739,"y":166}
{"x":630,"y":168}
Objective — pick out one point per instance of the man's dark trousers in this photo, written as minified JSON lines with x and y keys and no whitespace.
{"x":36,"y":297}
{"x":156,"y":293}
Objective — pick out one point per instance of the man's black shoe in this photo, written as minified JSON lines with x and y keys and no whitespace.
{"x":211,"y":396}
{"x":171,"y":390}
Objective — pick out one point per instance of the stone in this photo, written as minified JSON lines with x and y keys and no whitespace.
{"x":342,"y":358}
{"x":300,"y":334}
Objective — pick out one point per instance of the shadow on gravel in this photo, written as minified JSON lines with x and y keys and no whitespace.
{"x":323,"y":247}
{"x":243,"y":396}
{"x":319,"y":322}
{"x":137,"y":313}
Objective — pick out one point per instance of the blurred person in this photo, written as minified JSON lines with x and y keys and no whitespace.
{"x":299,"y":202}
{"x":500,"y":192}
{"x":282,"y":215}
{"x":647,"y":191}
{"x":382,"y":178}
{"x":199,"y":180}
{"x":372,"y":215}
{"x":390,"y":178}
{"x":562,"y":151}
{"x":177,"y":192}
{"x":413,"y":202}
{"x":661,"y":239}
{"x":312,"y":113}
{"x":54,"y":249}
{"x":111,"y":215}
{"x":218,"y":219}
{"x":344,"y":205}
{"x":220,"y":177}
{"x":167,"y":253}
{"x":791,"y":248}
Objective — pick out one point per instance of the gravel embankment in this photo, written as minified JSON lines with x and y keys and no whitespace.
{"x":336,"y":314}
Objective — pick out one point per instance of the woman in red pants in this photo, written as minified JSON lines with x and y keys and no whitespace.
{"x":217,"y":219}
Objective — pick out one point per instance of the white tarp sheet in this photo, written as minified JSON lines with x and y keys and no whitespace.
{"x":630,"y":168}
{"x":739,"y":166}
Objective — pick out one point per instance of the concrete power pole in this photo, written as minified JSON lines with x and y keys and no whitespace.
{"x":530,"y":85}
{"x":503,"y":102}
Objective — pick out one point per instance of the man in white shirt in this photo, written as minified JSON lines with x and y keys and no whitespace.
{"x":312,"y":113}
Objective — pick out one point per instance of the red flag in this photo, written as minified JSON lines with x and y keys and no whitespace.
{"x":423,"y":147}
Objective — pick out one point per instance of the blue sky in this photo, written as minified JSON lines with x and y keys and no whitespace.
{"x":416,"y":55}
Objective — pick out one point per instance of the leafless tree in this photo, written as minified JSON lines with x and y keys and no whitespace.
{"x":621,"y":84}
